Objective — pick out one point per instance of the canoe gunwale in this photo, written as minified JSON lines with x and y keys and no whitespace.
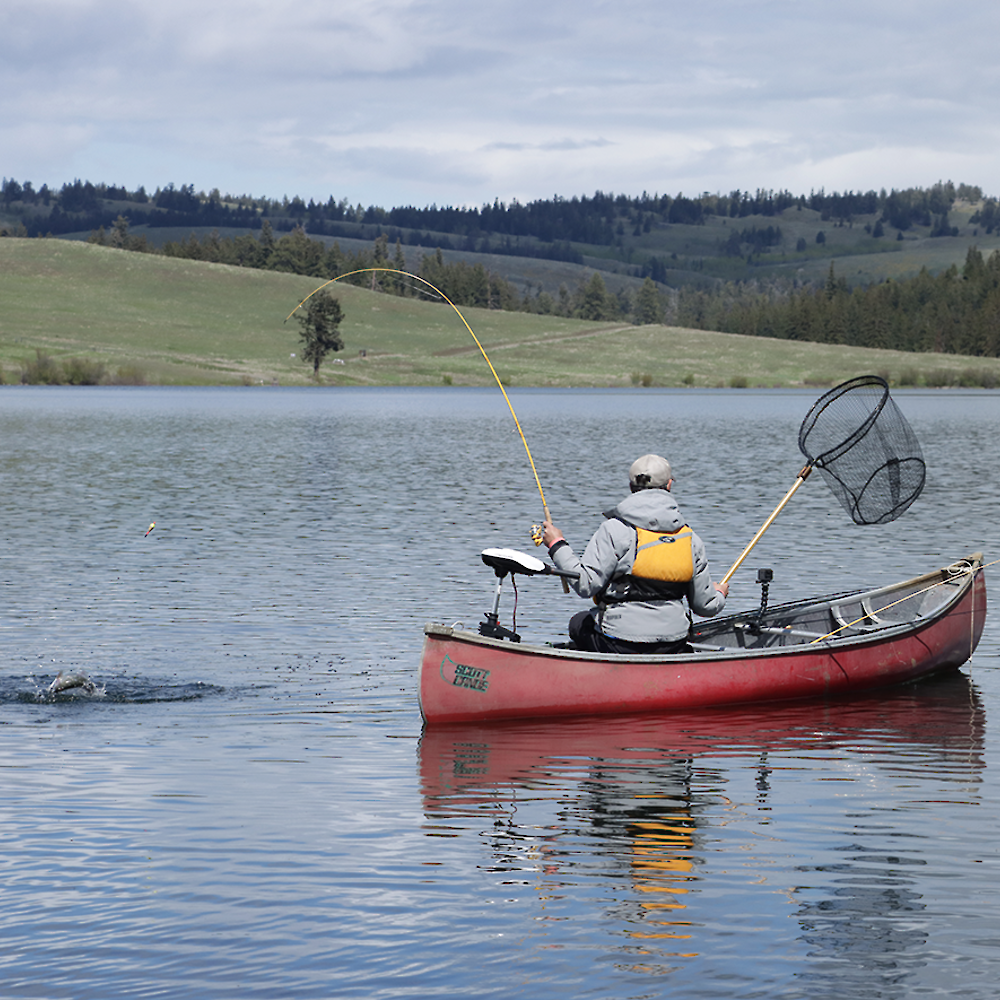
{"x":864,"y":636}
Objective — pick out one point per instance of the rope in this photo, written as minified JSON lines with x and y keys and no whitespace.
{"x":482,"y":350}
{"x":954,"y":573}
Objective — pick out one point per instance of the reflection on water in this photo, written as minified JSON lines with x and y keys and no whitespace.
{"x":649,"y":823}
{"x":634,"y":813}
{"x":867,"y":934}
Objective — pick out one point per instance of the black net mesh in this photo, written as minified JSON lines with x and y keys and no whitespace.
{"x":867,"y":452}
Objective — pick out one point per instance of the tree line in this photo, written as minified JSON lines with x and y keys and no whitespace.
{"x":542,"y":228}
{"x":464,"y":284}
{"x":954,"y":312}
{"x":957,"y":311}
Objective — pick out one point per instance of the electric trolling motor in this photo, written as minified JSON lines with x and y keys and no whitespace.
{"x":502,"y":562}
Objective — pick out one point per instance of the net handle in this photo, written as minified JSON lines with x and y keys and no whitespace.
{"x":803,"y":476}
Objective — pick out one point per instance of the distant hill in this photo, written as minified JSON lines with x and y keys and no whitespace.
{"x":678,"y":242}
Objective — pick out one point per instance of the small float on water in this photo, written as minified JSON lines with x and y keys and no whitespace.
{"x":815,"y":648}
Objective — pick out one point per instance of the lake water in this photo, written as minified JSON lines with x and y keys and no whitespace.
{"x":248,"y":807}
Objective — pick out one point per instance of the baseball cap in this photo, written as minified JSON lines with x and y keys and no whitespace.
{"x":649,"y":472}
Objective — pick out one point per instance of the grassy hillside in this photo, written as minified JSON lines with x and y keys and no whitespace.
{"x":183,"y":322}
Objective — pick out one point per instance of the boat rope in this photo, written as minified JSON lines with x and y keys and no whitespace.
{"x":972,"y":617}
{"x":952,"y":571}
{"x":482,"y":350}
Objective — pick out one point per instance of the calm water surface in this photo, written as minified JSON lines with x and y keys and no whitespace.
{"x":247,"y":806}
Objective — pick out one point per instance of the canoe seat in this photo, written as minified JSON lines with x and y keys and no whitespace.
{"x":868,"y":621}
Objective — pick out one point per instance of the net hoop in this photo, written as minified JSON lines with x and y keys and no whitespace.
{"x":885,"y":471}
{"x":884,"y":475}
{"x":824,"y":401}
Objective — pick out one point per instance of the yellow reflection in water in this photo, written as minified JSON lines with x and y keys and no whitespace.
{"x":660,"y":868}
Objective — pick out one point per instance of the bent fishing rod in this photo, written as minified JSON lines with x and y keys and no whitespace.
{"x":536,"y":530}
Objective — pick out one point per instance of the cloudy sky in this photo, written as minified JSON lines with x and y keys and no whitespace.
{"x":448,"y":102}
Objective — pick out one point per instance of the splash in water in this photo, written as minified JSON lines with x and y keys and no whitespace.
{"x":72,"y":682}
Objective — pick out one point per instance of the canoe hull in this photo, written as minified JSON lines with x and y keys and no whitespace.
{"x":466,"y":677}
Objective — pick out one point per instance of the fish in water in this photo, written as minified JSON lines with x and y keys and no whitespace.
{"x":66,"y":682}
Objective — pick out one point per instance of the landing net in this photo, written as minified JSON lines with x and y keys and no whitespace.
{"x":865,"y":449}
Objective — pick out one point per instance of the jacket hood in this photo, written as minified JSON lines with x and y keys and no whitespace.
{"x":654,"y":510}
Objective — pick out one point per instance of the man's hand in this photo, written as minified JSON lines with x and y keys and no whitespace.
{"x":551,"y":534}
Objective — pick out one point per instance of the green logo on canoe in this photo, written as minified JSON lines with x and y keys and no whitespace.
{"x":461,"y":675}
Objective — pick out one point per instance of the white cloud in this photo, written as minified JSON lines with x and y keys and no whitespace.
{"x":432,"y":100}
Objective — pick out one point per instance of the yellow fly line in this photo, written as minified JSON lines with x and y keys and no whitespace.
{"x":437,"y":291}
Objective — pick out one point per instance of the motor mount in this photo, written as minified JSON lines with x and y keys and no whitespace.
{"x":764,"y":578}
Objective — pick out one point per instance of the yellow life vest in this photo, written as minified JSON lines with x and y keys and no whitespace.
{"x":663,"y":555}
{"x":663,"y":567}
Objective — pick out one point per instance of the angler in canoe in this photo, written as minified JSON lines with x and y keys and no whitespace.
{"x":640,"y":567}
{"x":816,"y":648}
{"x":870,"y":458}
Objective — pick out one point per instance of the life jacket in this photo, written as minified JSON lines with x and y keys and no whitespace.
{"x":661,"y":571}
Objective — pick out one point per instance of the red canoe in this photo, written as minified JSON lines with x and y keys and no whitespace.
{"x":807,"y":649}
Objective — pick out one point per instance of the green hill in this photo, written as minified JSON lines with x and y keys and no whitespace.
{"x":175,"y":321}
{"x":540,"y":246}
{"x":691,"y":255}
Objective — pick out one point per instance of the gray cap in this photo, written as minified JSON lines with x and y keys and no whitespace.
{"x":649,"y":472}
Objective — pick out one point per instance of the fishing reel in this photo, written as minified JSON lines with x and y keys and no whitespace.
{"x":538,"y":536}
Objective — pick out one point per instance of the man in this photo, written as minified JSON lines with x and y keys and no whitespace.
{"x":640,"y":567}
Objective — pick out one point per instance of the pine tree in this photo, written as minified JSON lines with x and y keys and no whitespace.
{"x":119,"y":233}
{"x":399,"y":263}
{"x":319,"y":331}
{"x":594,"y":300}
{"x":266,"y":242}
{"x":380,"y":257}
{"x":648,"y":307}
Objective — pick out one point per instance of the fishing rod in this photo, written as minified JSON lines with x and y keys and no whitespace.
{"x":536,"y":530}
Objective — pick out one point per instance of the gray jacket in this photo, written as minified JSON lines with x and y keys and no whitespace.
{"x":610,"y":555}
